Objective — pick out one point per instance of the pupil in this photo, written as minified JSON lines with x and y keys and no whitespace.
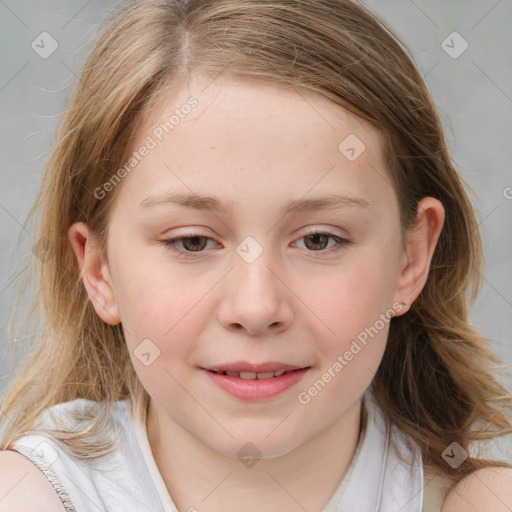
{"x":315,"y":238}
{"x":194,"y":240}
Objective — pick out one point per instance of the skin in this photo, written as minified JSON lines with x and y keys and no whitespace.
{"x":485,"y":490}
{"x":255,"y":147}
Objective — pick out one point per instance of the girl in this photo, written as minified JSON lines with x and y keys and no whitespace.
{"x":254,"y":253}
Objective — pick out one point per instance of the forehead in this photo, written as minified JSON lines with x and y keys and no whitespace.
{"x":239,"y":137}
{"x":246,"y":100}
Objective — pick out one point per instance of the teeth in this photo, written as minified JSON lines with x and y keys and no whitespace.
{"x":246,"y":375}
{"x":263,"y":376}
{"x":253,"y":375}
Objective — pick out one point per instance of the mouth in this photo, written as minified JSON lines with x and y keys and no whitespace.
{"x":243,"y":382}
{"x":254,"y":371}
{"x":255,"y":375}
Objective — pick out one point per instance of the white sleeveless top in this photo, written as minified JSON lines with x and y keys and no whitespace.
{"x":128,"y":479}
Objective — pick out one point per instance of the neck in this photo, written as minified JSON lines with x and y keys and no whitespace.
{"x":305,"y":478}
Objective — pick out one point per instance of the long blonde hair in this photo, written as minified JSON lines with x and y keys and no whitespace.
{"x":435,"y":381}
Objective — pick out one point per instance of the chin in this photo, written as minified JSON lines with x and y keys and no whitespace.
{"x":255,"y":444}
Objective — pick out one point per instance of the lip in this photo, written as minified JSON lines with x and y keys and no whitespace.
{"x":245,"y":366}
{"x":255,"y":389}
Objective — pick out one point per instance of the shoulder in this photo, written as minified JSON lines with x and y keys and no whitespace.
{"x":485,"y":489}
{"x":23,"y":487}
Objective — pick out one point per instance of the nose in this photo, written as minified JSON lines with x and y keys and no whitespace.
{"x":256,"y":297}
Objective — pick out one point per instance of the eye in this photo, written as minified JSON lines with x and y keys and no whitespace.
{"x":316,"y":241}
{"x":192,"y":243}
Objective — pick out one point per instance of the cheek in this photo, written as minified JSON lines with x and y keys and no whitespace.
{"x":163,"y":314}
{"x":162,"y":330}
{"x":354,"y":309}
{"x":353,"y":297}
{"x":347,"y":369}
{"x":152,"y":295}
{"x":355,"y":329}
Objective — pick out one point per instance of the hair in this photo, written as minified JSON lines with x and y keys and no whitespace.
{"x":435,"y":381}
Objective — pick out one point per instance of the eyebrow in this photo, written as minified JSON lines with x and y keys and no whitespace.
{"x":207,"y":203}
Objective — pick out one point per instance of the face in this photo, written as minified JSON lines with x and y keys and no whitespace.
{"x":247,"y":278}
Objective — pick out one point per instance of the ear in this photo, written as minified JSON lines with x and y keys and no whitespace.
{"x":94,"y":272}
{"x":419,"y":250}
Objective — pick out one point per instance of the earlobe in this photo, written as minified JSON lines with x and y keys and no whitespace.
{"x":419,"y":251}
{"x":94,"y":272}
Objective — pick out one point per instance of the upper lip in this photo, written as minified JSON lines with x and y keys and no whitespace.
{"x":244,"y":366}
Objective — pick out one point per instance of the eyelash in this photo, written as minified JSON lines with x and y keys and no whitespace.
{"x":170,"y":243}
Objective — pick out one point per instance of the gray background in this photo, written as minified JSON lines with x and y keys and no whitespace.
{"x":473,"y":92}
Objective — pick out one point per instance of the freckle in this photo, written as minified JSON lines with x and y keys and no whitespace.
{"x":212,"y":147}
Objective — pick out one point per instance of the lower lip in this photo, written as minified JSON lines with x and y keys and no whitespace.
{"x":256,"y":389}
